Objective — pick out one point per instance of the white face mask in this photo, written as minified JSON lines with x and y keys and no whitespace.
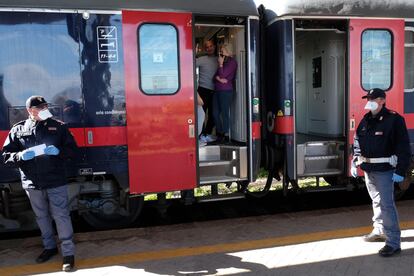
{"x":371,"y":105}
{"x":44,"y":114}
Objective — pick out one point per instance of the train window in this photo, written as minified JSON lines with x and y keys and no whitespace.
{"x":409,"y":60}
{"x":158,"y":57}
{"x":376,"y":59}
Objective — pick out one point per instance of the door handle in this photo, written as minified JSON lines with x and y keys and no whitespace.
{"x":90,"y":137}
{"x":191,"y":131}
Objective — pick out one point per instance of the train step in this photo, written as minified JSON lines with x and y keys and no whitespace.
{"x":221,"y":197}
{"x":222,"y":164}
{"x":320,"y":158}
{"x":207,"y":180}
{"x":325,"y":172}
{"x":215,"y":163}
{"x":327,"y":189}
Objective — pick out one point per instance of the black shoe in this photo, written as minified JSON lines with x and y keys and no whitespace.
{"x":388,"y":251}
{"x":46,"y":255}
{"x":68,"y":263}
{"x":371,"y":237}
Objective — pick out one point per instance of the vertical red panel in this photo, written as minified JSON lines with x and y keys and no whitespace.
{"x":161,"y":149}
{"x":395,"y":95}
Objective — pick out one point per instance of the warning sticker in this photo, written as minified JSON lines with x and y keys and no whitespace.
{"x":107,"y":44}
{"x":279,"y":113}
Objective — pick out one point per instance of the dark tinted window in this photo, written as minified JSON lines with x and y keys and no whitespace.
{"x":38,"y":56}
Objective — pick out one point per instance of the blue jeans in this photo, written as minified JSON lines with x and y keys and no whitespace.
{"x":381,"y":190}
{"x":221,"y":110}
{"x":48,"y":204}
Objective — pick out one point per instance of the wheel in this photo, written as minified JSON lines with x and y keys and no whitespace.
{"x":119,"y":219}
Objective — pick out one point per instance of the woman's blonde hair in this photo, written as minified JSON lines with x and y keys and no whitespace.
{"x":227,"y":48}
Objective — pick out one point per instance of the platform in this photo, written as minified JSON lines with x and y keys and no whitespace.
{"x":323,"y":242}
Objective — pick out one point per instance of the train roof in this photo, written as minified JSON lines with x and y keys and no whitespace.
{"x":210,"y":7}
{"x":365,"y":8}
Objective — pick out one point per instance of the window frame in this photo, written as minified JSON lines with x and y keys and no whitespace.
{"x":392,"y":58}
{"x":408,"y":45}
{"x":139,"y":58}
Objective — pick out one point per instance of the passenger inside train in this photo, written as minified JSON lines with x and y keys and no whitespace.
{"x":210,"y":39}
{"x":222,"y":143}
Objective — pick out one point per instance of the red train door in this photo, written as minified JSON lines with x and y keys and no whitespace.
{"x":376,"y":60}
{"x":159,"y":84}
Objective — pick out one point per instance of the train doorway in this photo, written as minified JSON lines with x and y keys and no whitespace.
{"x":225,"y":162}
{"x":320,"y":97}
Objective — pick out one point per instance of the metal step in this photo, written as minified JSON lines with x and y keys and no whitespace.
{"x":209,"y":153}
{"x":326,"y":189}
{"x":205,"y":180}
{"x":214,"y":163}
{"x":222,"y":164}
{"x":221,"y":197}
{"x":325,"y":172}
{"x":321,"y":157}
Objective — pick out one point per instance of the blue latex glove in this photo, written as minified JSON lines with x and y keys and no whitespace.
{"x":354,"y":171}
{"x":51,"y":150}
{"x":26,"y":155}
{"x":397,"y":177}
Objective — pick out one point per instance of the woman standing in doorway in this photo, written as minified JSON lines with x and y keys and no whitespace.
{"x":223,"y":80}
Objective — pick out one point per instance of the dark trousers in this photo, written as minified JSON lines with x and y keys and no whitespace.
{"x":52,"y":204}
{"x":207,"y":97}
{"x":221,"y":107}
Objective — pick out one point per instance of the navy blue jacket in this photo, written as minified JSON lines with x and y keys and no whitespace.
{"x":43,"y":171}
{"x":383,"y":136}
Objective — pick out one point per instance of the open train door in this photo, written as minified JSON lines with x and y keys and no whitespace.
{"x":376,"y":60}
{"x":159,"y":92}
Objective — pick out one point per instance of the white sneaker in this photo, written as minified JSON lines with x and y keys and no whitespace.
{"x":203,"y":138}
{"x":210,"y":138}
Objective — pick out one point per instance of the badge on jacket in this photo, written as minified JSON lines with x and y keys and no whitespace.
{"x":379,"y":133}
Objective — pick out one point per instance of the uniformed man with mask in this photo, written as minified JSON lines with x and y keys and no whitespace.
{"x":382,"y":151}
{"x":39,"y":147}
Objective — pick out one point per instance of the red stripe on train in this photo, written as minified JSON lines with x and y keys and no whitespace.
{"x":256,"y":133}
{"x":283,"y":125}
{"x":3,"y":136}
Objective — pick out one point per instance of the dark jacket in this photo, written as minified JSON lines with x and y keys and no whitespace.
{"x":43,"y":171}
{"x":383,"y":136}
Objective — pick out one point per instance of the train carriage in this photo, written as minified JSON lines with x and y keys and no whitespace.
{"x":321,"y":58}
{"x":122,"y":75}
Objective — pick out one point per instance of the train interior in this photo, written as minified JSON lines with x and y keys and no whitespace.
{"x":320,"y":75}
{"x":225,"y":163}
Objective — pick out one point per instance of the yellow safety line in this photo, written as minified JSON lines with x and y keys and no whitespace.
{"x":192,"y":251}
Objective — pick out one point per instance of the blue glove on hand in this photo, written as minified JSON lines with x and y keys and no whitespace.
{"x":51,"y":150}
{"x":397,"y":178}
{"x":26,"y":155}
{"x":354,"y":170}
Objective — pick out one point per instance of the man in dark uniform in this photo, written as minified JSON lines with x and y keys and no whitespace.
{"x":39,"y":146}
{"x":382,"y":150}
